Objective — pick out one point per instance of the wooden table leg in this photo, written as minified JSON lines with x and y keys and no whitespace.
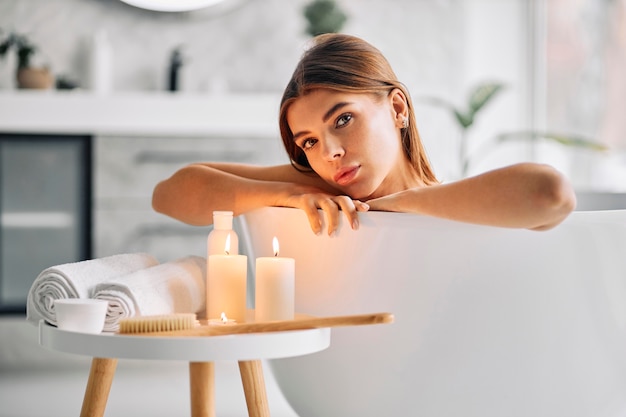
{"x":98,"y":387}
{"x":254,"y":388}
{"x":202,"y":388}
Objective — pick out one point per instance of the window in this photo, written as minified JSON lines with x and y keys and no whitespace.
{"x":584,"y":87}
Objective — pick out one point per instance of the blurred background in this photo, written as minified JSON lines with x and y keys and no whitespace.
{"x":560,"y":60}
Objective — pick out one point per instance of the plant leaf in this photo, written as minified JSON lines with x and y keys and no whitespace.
{"x":481,"y":95}
{"x":4,"y":47}
{"x":465,"y":120}
{"x":478,"y":98}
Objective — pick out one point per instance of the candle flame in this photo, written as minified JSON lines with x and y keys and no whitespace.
{"x":223,"y":317}
{"x":275,"y":246}
{"x":227,"y":245}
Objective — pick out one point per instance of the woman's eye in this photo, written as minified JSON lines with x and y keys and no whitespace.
{"x":343,"y":120}
{"x":308,"y":144}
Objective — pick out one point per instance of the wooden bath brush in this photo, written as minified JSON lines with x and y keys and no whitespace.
{"x":187,"y":325}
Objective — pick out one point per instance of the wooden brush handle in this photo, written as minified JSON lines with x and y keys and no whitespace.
{"x":280,"y":326}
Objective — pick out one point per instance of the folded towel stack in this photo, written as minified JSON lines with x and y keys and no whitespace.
{"x":173,"y":287}
{"x":133,"y":284}
{"x":77,"y":280}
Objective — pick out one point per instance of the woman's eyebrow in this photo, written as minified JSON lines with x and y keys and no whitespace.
{"x":333,"y":110}
{"x":325,"y":118}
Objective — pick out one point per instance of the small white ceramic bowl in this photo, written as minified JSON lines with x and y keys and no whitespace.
{"x":80,"y":314}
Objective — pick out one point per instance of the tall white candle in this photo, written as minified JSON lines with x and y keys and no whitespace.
{"x":275,"y":287}
{"x":226,"y":289}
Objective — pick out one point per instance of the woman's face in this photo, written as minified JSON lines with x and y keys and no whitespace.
{"x":352,"y":141}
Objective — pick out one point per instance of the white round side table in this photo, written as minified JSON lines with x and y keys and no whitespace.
{"x":247,"y":349}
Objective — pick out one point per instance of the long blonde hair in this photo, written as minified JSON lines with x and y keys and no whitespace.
{"x":347,"y":63}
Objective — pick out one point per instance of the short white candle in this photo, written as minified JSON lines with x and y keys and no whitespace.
{"x":275,"y":287}
{"x":226,"y":288}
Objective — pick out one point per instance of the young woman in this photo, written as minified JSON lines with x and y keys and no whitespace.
{"x":349,"y":127}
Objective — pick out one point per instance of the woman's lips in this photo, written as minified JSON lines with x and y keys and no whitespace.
{"x":346,"y":175}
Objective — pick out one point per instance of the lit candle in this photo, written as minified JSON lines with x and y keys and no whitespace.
{"x":226,"y":285}
{"x":275,"y":287}
{"x":222,"y":321}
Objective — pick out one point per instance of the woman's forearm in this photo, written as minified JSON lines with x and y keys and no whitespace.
{"x":525,"y":195}
{"x":194,"y":192}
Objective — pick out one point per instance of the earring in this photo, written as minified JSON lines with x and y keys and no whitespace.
{"x":405,"y":123}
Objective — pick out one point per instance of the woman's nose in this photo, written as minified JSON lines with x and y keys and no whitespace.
{"x":333,"y":148}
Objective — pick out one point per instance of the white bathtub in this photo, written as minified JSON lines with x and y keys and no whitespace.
{"x":489,"y":321}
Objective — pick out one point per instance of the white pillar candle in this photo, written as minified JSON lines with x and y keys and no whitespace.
{"x":226,"y":288}
{"x":275,"y":287}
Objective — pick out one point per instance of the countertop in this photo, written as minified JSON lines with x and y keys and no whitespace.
{"x":139,"y":113}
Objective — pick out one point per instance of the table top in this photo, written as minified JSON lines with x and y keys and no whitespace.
{"x":250,"y":346}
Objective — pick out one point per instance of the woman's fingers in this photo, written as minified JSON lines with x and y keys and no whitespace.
{"x":349,"y":207}
{"x":310,"y":207}
{"x":330,"y":207}
{"x":361,"y":206}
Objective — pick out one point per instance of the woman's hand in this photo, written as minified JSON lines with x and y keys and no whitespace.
{"x":311,"y":200}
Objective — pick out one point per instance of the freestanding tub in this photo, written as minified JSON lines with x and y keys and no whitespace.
{"x":489,"y":321}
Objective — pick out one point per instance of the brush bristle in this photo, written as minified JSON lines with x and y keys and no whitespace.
{"x":162,"y":323}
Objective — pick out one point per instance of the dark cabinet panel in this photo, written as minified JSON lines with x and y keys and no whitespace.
{"x":45,"y":209}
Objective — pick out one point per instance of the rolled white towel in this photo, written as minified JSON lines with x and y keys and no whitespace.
{"x":171,"y":287}
{"x":78,"y":280}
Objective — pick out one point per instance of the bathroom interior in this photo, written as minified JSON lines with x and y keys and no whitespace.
{"x":131,"y":94}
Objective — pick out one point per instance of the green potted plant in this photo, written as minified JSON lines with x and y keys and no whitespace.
{"x":479,"y":97}
{"x":324,"y":16}
{"x":28,"y":76}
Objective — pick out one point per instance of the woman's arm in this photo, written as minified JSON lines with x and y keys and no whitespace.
{"x":195,"y":191}
{"x":526,"y":195}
